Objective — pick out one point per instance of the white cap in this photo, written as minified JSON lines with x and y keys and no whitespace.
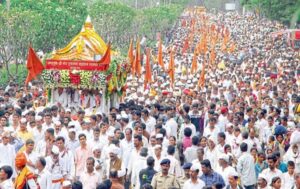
{"x":224,"y":157}
{"x":99,"y":113}
{"x":38,"y":118}
{"x":23,"y":120}
{"x":71,"y":123}
{"x":213,"y":139}
{"x":110,"y":134}
{"x":263,"y":176}
{"x":97,"y":147}
{"x":159,"y":135}
{"x":55,"y":150}
{"x":118,"y":116}
{"x":72,"y":130}
{"x":24,"y":113}
{"x":66,"y":183}
{"x":57,"y":123}
{"x":68,"y":110}
{"x":195,"y":167}
{"x":233,"y":173}
{"x":114,"y":149}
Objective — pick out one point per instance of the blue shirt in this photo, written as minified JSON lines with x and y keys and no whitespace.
{"x":212,"y":178}
{"x":259,"y":169}
{"x":283,"y":167}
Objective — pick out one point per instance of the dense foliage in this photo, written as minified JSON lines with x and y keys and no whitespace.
{"x":51,"y":24}
{"x":283,"y":11}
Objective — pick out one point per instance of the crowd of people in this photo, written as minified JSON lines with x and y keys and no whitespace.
{"x":239,"y":128}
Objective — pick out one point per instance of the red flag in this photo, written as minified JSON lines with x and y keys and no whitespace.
{"x":148,"y":74}
{"x":106,"y":58}
{"x":171,"y":68}
{"x":138,"y":68}
{"x":160,"y":55}
{"x":34,"y":66}
{"x":131,"y":57}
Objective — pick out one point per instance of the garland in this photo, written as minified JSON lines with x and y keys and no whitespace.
{"x":112,"y":80}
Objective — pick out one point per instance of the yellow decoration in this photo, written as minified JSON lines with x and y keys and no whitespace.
{"x":84,"y":46}
{"x":221,"y":65}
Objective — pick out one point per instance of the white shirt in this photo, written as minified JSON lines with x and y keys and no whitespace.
{"x":126,"y":148}
{"x":38,"y":135}
{"x":222,"y":122}
{"x":7,"y":184}
{"x":33,"y":157}
{"x":190,"y":185}
{"x":175,"y":168}
{"x":288,"y":181}
{"x":225,"y":173}
{"x":67,"y":157}
{"x":171,"y":127}
{"x":190,"y":153}
{"x":183,"y":126}
{"x":271,"y":174}
{"x":44,"y":179}
{"x":141,"y":163}
{"x":246,"y":168}
{"x":211,"y":132}
{"x":150,"y":124}
{"x":9,"y":157}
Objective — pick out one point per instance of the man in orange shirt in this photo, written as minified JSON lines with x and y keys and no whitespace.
{"x":81,"y":154}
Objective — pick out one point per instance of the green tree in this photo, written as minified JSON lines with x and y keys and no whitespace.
{"x":60,"y":20}
{"x":274,"y":9}
{"x":17,"y":30}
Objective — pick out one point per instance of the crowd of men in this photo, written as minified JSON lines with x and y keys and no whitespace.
{"x":240,"y":129}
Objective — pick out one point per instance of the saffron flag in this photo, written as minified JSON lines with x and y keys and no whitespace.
{"x":160,"y":55}
{"x":131,"y":57}
{"x":34,"y":66}
{"x":201,"y":81}
{"x":138,"y":67}
{"x":148,"y":74}
{"x":171,"y":68}
{"x":106,"y":58}
{"x":194,"y":63}
{"x":185,"y":45}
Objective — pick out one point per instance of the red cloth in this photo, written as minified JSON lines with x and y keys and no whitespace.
{"x":297,"y":34}
{"x":186,"y":142}
{"x":106,"y":58}
{"x":34,"y":66}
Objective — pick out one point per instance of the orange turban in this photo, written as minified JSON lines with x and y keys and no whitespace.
{"x":20,"y":159}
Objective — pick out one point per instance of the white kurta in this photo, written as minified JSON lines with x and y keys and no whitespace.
{"x":44,"y":179}
{"x":141,"y":163}
{"x":56,"y":170}
{"x":9,"y":157}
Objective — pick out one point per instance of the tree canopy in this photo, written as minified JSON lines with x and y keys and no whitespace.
{"x":280,"y":10}
{"x":51,"y":24}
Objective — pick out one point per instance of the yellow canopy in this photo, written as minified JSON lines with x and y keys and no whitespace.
{"x":84,"y":46}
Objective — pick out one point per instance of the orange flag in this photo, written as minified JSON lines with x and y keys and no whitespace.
{"x":194,"y":63}
{"x":232,"y":47}
{"x":131,"y":57}
{"x":138,"y":67}
{"x":34,"y":66}
{"x":212,"y":56}
{"x":106,"y":58}
{"x":148,"y":74}
{"x":172,"y":68}
{"x":201,"y":81}
{"x":185,"y":45}
{"x":160,"y":55}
